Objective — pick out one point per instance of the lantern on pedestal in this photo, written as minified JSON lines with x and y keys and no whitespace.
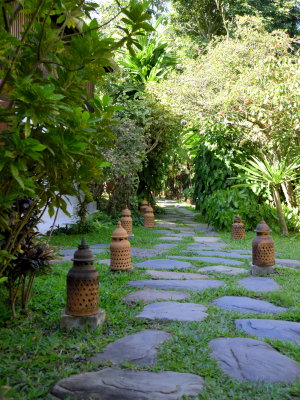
{"x":143,"y":207}
{"x":82,"y":283}
{"x":126,"y":221}
{"x":237,"y":229}
{"x":149,"y":218}
{"x":120,"y":259}
{"x":263,"y":252}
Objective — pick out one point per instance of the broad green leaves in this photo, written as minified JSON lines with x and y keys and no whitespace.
{"x":50,"y":143}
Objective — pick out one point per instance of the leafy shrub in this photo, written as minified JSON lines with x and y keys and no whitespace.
{"x":188,"y":192}
{"x":95,"y":222}
{"x":220,"y":208}
{"x":292,"y":217}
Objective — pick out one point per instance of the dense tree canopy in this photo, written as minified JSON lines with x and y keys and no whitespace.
{"x":205,"y":18}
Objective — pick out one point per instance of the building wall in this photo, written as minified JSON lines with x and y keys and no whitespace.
{"x":62,"y":219}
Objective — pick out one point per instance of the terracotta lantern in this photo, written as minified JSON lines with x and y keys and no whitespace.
{"x":126,"y":221}
{"x":237,"y":229}
{"x":143,"y":207}
{"x":120,"y":259}
{"x":263,"y":253}
{"x":82,"y":283}
{"x":149,"y":217}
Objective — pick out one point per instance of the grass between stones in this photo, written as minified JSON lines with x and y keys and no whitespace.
{"x":36,"y":353}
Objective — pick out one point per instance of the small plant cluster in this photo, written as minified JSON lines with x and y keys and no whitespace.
{"x":94,"y":223}
{"x":32,"y":256}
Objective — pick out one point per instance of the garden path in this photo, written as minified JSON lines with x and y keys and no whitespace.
{"x":241,"y":358}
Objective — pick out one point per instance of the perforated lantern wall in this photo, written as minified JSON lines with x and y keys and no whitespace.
{"x":143,"y":207}
{"x":120,"y":258}
{"x":126,"y":221}
{"x":149,"y":218}
{"x":237,"y":229}
{"x":263,"y":253}
{"x":82,"y":283}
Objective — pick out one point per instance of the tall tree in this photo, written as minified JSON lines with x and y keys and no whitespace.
{"x":201,"y":19}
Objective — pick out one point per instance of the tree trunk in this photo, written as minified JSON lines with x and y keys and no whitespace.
{"x":276,"y":197}
{"x":288,"y":191}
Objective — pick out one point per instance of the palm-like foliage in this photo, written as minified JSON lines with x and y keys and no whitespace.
{"x":271,"y":175}
{"x":152,"y":62}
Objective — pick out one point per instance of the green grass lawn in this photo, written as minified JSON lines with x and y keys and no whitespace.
{"x":36,"y":353}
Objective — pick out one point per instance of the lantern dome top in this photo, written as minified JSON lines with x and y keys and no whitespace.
{"x":119,"y":232}
{"x":83,"y":254}
{"x":126,"y":212}
{"x":144,"y":203}
{"x":149,"y":209}
{"x":237,"y":218}
{"x":262,"y":227}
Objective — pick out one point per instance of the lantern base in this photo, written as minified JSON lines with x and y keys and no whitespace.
{"x":261,"y":271}
{"x":91,"y":321}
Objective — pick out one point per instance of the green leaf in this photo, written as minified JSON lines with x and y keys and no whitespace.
{"x":15,"y":173}
{"x":27,"y":128}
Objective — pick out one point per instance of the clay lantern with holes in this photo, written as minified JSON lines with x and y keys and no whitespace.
{"x":82,"y":284}
{"x":149,"y":218}
{"x":263,"y":253}
{"x":237,"y":229}
{"x":143,"y":207}
{"x":120,"y":258}
{"x":126,"y":221}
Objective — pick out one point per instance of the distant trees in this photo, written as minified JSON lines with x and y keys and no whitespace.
{"x":245,"y":91}
{"x":203,"y":19}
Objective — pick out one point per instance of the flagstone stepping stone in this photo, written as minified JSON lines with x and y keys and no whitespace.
{"x":222,"y":269}
{"x":252,"y":360}
{"x":247,"y":305}
{"x":270,"y":328}
{"x":124,"y":384}
{"x":240,"y":251}
{"x":164,"y":264}
{"x":70,"y":252}
{"x":259,"y":284}
{"x":218,"y":253}
{"x":151,"y":295}
{"x":211,"y":233}
{"x":187,"y":284}
{"x":287,"y":262}
{"x":165,"y":224}
{"x":145,"y":253}
{"x":139,"y":348}
{"x":98,"y":246}
{"x":192,"y":224}
{"x":213,"y":260}
{"x":162,"y":231}
{"x":173,"y":311}
{"x":171,"y":238}
{"x":183,"y":229}
{"x":182,"y":234}
{"x":205,"y":239}
{"x":175,"y":275}
{"x":165,"y":246}
{"x":208,"y":246}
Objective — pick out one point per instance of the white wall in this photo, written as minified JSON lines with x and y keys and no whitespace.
{"x":62,"y":219}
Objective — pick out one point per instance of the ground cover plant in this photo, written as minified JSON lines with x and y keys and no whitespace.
{"x":36,"y":353}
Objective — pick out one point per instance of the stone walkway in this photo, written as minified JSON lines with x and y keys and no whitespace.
{"x":166,"y":297}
